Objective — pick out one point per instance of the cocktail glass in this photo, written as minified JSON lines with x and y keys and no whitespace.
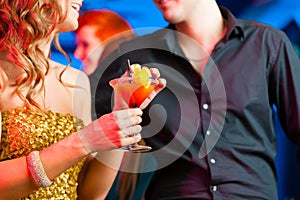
{"x":133,"y":94}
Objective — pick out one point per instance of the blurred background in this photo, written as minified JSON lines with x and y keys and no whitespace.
{"x":282,"y":14}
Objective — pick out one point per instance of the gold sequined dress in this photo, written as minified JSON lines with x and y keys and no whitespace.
{"x":25,"y":130}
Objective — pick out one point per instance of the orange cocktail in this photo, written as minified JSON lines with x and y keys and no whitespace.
{"x":131,"y":91}
{"x":134,"y":90}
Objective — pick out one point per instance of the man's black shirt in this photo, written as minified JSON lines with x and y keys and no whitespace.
{"x":218,"y":129}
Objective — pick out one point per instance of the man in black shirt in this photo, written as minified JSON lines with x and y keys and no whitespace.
{"x":212,"y":128}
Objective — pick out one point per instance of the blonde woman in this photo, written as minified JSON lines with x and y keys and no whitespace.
{"x":48,"y":141}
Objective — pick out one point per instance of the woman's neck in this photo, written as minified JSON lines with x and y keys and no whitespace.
{"x":46,"y":47}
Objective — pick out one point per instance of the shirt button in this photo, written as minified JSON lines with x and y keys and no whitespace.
{"x":205,"y":106}
{"x":214,"y":188}
{"x":207,"y":132}
{"x":212,"y":161}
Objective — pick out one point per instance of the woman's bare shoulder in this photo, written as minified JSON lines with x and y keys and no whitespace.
{"x":80,"y":89}
{"x":70,"y":75}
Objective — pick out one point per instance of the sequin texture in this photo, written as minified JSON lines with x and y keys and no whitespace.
{"x":25,"y":130}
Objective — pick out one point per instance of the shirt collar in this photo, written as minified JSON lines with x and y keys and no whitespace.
{"x":233,"y":25}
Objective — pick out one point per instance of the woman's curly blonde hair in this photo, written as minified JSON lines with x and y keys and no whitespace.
{"x":24,"y":26}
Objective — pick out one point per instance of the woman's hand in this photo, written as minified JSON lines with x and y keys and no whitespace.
{"x":113,"y":130}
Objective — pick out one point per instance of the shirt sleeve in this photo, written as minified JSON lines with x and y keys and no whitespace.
{"x":285,"y":87}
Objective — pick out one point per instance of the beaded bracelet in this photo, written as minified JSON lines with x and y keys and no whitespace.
{"x":36,"y":169}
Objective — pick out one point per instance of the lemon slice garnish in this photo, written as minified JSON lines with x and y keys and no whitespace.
{"x":141,"y":75}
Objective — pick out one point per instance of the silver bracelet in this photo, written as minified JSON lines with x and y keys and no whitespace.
{"x":36,"y":169}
